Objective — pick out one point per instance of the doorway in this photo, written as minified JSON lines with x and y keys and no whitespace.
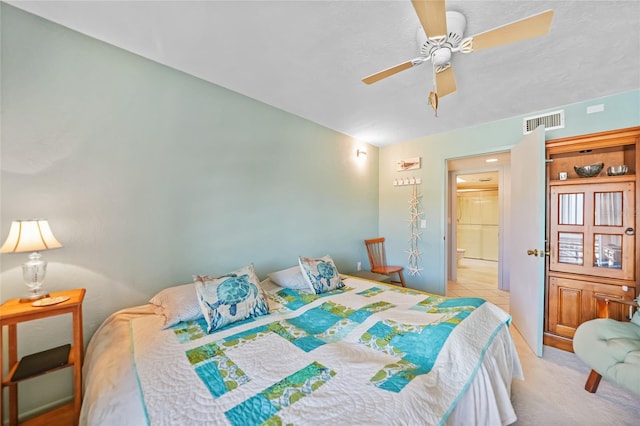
{"x":478,"y":211}
{"x":476,"y":223}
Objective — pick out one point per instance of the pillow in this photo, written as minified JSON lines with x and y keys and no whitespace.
{"x":321,"y":274}
{"x":231,"y":297}
{"x":291,"y":278}
{"x":178,"y":303}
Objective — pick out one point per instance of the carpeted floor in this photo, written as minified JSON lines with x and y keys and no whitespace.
{"x":553,"y":392}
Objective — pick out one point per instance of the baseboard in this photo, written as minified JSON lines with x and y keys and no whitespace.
{"x":39,"y":410}
{"x":560,"y":342}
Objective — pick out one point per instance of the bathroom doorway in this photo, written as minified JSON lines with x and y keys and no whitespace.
{"x":476,"y":220}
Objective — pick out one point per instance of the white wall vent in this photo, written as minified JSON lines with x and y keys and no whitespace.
{"x":550,"y":120}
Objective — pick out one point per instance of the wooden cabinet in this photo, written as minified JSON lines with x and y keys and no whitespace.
{"x":572,"y":302}
{"x":12,"y":313}
{"x":591,"y":230}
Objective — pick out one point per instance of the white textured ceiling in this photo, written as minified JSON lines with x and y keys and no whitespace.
{"x":308,"y":57}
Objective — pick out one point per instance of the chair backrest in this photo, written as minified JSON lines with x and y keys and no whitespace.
{"x":375,"y":250}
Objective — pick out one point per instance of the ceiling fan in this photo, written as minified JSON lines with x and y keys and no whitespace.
{"x":441,"y":35}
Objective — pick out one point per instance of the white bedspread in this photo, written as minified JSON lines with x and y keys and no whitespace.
{"x":315,"y":373}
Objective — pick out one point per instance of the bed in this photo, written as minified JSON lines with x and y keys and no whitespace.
{"x":365,"y":353}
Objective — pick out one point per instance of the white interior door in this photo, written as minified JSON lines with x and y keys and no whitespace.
{"x":526,"y":235}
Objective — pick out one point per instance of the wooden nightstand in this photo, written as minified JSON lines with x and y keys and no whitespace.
{"x":13,"y":312}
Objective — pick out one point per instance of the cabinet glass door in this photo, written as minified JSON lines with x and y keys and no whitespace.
{"x":570,"y":245}
{"x":589,"y":229}
{"x":570,"y":248}
{"x":571,"y":209}
{"x":607,"y":248}
{"x":608,"y":208}
{"x":607,"y":251}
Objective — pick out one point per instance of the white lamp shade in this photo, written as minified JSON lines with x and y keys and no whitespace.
{"x":29,"y":235}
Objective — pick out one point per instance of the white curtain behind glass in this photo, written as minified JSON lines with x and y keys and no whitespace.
{"x":608,"y":208}
{"x":571,"y":209}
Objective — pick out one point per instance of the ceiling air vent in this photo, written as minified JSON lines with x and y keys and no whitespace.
{"x":551,"y":120}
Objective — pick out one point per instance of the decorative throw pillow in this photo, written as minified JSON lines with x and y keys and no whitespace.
{"x":231,"y":297}
{"x":321,"y":274}
{"x":291,"y":278}
{"x":178,"y":303}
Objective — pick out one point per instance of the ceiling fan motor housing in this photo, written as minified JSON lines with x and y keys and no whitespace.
{"x":456,"y":24}
{"x":441,"y":56}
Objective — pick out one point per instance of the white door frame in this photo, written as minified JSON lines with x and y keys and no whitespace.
{"x":503,"y":206}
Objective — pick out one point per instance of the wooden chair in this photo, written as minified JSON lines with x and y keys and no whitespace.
{"x":378,"y":259}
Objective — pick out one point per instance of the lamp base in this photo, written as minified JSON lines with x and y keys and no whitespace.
{"x":33,"y":297}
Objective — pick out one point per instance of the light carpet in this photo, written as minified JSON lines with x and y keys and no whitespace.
{"x":553,"y":392}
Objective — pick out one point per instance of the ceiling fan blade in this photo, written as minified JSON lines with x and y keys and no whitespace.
{"x":445,"y":82}
{"x":389,"y":72}
{"x":533,"y":26}
{"x":432,"y":15}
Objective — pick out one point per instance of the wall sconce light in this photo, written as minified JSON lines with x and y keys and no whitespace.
{"x":32,"y":235}
{"x":361,"y":153}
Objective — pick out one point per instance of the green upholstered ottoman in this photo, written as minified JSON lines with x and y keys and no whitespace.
{"x":612,"y":349}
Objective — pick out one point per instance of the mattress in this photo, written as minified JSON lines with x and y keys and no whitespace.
{"x":136,"y":373}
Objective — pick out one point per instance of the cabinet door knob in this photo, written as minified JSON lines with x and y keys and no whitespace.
{"x":630,"y":231}
{"x":533,"y":252}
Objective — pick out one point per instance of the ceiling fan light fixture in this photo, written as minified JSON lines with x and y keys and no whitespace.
{"x":441,"y":57}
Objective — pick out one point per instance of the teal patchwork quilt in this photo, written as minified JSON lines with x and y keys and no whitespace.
{"x":365,"y":354}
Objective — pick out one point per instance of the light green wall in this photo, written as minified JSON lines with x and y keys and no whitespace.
{"x":148,"y":175}
{"x":621,"y":111}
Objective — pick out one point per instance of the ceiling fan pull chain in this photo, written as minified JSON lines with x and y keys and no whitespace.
{"x":433,"y":101}
{"x":433,"y":95}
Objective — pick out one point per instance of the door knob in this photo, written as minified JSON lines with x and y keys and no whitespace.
{"x":533,"y":252}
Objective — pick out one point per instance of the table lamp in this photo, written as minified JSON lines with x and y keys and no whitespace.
{"x":31,"y":235}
